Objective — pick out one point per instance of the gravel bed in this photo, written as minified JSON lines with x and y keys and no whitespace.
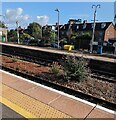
{"x":97,"y":88}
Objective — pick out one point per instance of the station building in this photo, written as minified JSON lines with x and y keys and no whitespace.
{"x":3,"y":34}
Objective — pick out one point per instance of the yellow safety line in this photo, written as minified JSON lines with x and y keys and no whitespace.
{"x":27,"y":106}
{"x":16,"y":108}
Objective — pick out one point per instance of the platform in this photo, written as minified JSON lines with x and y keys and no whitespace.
{"x":33,"y":100}
{"x":89,"y":56}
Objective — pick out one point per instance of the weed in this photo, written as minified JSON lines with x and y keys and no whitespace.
{"x":55,"y":69}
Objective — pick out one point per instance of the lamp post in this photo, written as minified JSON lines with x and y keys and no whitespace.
{"x":57,"y":10}
{"x":17,"y":25}
{"x":5,"y":27}
{"x":94,"y":23}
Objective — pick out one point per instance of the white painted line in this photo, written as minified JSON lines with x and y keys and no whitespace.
{"x":105,"y":109}
{"x":49,"y":88}
{"x":62,"y":93}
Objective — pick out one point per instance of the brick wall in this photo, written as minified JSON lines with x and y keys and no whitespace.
{"x":110,"y":33}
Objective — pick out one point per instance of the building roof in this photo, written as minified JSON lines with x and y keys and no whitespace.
{"x":87,"y":26}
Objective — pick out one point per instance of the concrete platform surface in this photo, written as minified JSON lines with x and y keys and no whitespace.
{"x":33,"y":100}
{"x":102,"y":58}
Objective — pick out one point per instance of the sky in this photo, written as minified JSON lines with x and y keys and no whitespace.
{"x":44,"y":12}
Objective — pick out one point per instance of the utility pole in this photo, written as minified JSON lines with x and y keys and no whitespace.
{"x":17,"y":24}
{"x":57,"y":10}
{"x":94,"y":23}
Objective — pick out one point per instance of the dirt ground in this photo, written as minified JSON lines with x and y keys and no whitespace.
{"x":91,"y":86}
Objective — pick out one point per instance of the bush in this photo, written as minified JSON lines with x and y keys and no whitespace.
{"x":55,"y":69}
{"x":75,"y":69}
{"x":72,"y":68}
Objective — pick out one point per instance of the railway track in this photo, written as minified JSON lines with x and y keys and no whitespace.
{"x":101,"y":75}
{"x":29,"y":58}
{"x":70,"y":91}
{"x":103,"y":72}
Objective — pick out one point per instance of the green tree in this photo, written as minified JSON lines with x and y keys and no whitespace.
{"x":24,"y":36}
{"x":2,"y":25}
{"x":34,"y":29}
{"x":74,"y":37}
{"x":52,"y":36}
{"x":12,"y":36}
{"x":48,"y":35}
{"x":81,"y":39}
{"x":85,"y":35}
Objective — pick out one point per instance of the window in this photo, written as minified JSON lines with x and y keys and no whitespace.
{"x":77,"y":27}
{"x":103,"y":25}
{"x":84,"y":26}
{"x":92,"y":25}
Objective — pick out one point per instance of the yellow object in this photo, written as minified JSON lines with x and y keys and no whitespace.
{"x":68,"y":47}
{"x":16,"y":108}
{"x":28,"y":106}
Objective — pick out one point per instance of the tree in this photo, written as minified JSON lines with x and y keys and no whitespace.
{"x":48,"y":35}
{"x":24,"y":36}
{"x":2,"y":25}
{"x":12,"y":36}
{"x":73,"y":37}
{"x":83,"y":40}
{"x":34,"y":29}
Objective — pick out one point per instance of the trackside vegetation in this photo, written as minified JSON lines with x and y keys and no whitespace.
{"x":71,"y":69}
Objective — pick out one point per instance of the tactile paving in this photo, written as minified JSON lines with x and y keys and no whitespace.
{"x":31,"y":105}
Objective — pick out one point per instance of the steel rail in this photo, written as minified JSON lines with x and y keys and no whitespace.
{"x":70,"y":91}
{"x":95,"y":73}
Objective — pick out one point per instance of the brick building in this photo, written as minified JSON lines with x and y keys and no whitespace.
{"x":110,"y":32}
{"x":103,"y":30}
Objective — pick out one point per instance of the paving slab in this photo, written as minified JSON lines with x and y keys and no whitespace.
{"x":3,"y":88}
{"x":21,"y":85}
{"x":16,"y":83}
{"x":28,"y":106}
{"x":72,"y":107}
{"x":42,"y":94}
{"x":8,"y":80}
{"x":97,"y":113}
{"x":62,"y":103}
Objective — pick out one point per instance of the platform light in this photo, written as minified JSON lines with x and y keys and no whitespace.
{"x":57,"y":10}
{"x":94,"y":23}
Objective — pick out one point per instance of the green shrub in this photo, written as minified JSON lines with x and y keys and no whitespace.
{"x":75,"y":69}
{"x":71,"y":68}
{"x":55,"y":69}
